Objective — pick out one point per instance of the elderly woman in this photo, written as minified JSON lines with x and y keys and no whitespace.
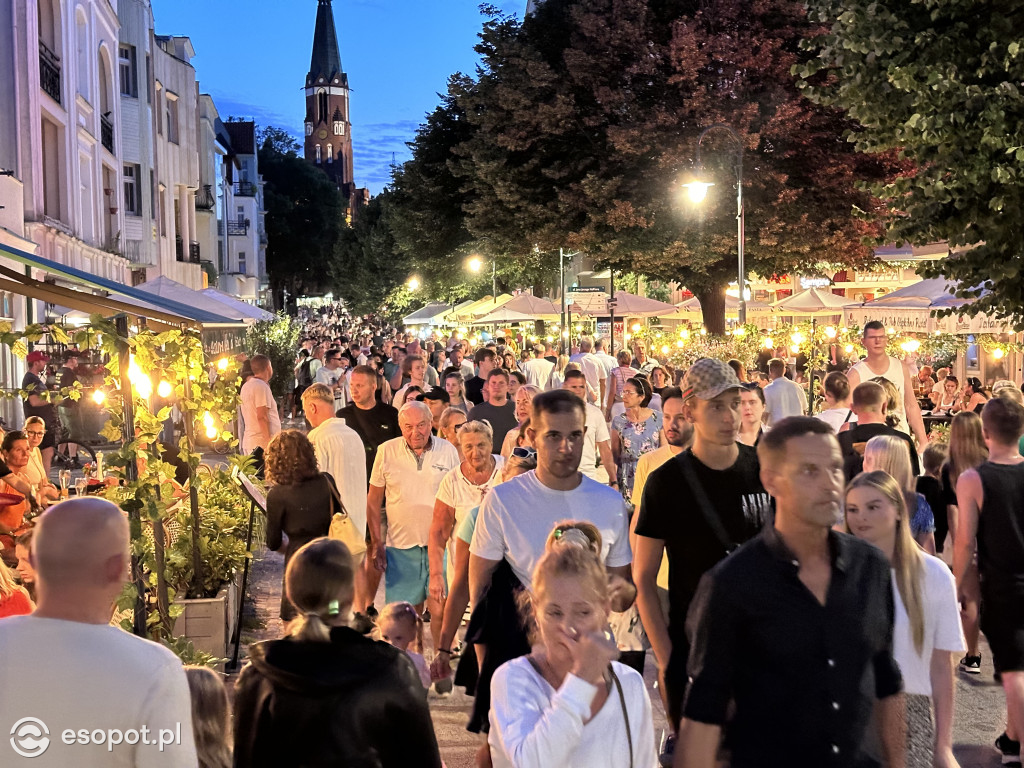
{"x":524,"y":408}
{"x":301,"y":501}
{"x":461,"y":490}
{"x":450,"y":423}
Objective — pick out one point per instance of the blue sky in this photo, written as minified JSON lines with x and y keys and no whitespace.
{"x":252,"y":57}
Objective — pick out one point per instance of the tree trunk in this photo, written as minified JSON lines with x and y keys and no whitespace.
{"x":712,"y":307}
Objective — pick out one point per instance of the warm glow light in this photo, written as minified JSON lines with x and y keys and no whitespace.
{"x":830,"y":332}
{"x":703,"y":331}
{"x":141,"y":382}
{"x":475,"y":264}
{"x":910,"y":345}
{"x":680,"y":343}
{"x":211,"y":432}
{"x":998,"y":353}
{"x":795,"y":349}
{"x":164,"y":389}
{"x":741,"y":331}
{"x":222,"y":364}
{"x":207,"y":419}
{"x":565,"y":334}
{"x":98,"y":396}
{"x":767,"y":343}
{"x":849,"y":348}
{"x":798,"y":338}
{"x":664,"y":349}
{"x":549,"y":339}
{"x":685,"y":334}
{"x":414,"y":284}
{"x":697,"y":190}
{"x":636,"y":327}
{"x":891,"y":331}
{"x":579,"y":327}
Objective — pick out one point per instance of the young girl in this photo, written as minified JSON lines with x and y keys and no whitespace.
{"x":569,"y":703}
{"x":400,"y":625}
{"x":927,"y":630}
{"x":211,"y":717}
{"x":891,"y":454}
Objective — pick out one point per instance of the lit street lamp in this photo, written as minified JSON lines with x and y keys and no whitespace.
{"x":698,"y":190}
{"x":476,"y":264}
{"x":413,"y":284}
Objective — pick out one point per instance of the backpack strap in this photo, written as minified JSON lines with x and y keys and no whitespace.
{"x":704,"y":503}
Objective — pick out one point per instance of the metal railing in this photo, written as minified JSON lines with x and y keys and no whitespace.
{"x":235,"y":228}
{"x":49,"y":72}
{"x":245,"y":188}
{"x":193,"y":252}
{"x":107,"y":133}
{"x":136,"y":253}
{"x":205,"y":199}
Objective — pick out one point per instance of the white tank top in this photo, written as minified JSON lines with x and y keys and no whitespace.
{"x":893,"y":373}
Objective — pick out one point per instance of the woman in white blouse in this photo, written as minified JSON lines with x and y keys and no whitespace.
{"x":568,"y":704}
{"x":926,"y":631}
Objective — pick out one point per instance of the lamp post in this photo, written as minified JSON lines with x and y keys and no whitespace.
{"x":699,"y":189}
{"x":475,"y":264}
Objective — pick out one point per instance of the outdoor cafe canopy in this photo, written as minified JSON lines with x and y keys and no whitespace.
{"x":911,"y":309}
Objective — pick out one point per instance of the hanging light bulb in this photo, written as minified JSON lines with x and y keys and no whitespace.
{"x":664,"y":349}
{"x":767,"y":343}
{"x":222,"y":364}
{"x":680,"y":343}
{"x":998,"y":353}
{"x":798,"y":338}
{"x":207,"y":419}
{"x":849,"y":348}
{"x":98,"y":396}
{"x":211,"y":433}
{"x":910,"y":346}
{"x":164,"y":388}
{"x":830,"y":331}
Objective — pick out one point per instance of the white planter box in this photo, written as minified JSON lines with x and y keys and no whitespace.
{"x":208,"y":622}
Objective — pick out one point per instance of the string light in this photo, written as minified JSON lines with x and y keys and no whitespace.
{"x":910,"y":346}
{"x":740,"y":332}
{"x":222,"y":364}
{"x":798,"y":338}
{"x":164,"y":389}
{"x":767,"y":343}
{"x":849,"y":348}
{"x":140,"y":381}
{"x":830,"y":332}
{"x":98,"y":396}
{"x":998,"y":353}
{"x":664,"y":349}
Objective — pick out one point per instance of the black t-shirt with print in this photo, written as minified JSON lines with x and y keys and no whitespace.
{"x":373,"y":425}
{"x":669,"y":511}
{"x":858,"y":434}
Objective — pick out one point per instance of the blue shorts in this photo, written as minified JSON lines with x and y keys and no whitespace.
{"x":407,"y":576}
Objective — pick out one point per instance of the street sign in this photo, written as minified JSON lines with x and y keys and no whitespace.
{"x":587,"y":289}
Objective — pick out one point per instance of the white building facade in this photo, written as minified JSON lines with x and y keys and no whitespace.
{"x":243,"y":271}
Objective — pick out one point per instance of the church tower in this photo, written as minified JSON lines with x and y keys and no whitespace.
{"x":328,"y":143}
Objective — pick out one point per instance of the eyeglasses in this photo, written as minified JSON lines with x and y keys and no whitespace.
{"x":34,"y":433}
{"x":524,"y":452}
{"x":460,"y":425}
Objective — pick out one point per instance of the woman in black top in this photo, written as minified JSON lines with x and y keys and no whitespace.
{"x":299,"y":503}
{"x":326,"y":695}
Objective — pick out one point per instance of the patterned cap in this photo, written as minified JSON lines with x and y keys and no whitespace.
{"x":708,"y":378}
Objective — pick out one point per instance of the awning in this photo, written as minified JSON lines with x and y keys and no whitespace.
{"x":166,"y":311}
{"x":241,"y":307}
{"x":428,"y":315}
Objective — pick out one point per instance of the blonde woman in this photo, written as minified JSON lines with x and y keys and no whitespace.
{"x":892,"y":455}
{"x":319,"y":696}
{"x":927,"y":630}
{"x":211,"y":717}
{"x":14,"y":599}
{"x":34,"y":474}
{"x":524,"y":408}
{"x":557,"y":377}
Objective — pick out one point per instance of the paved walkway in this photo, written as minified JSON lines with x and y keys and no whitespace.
{"x":979,"y":702}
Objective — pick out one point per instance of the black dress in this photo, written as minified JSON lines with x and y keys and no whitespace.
{"x":302,"y":512}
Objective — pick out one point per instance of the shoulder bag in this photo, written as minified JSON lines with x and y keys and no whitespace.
{"x":625,"y":713}
{"x":342,"y":527}
{"x":704,"y":503}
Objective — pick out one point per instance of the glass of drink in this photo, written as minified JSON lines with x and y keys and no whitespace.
{"x":81,"y":484}
{"x":65,"y":482}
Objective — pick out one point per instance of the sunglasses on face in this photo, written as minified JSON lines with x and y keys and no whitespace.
{"x":524,"y":452}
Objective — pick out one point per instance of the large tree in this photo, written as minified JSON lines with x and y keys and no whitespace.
{"x":584,"y":121}
{"x":304,"y":215}
{"x":940,"y":80}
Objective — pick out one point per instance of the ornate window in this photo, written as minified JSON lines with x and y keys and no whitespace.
{"x":339,"y":128}
{"x":321,"y":104}
{"x":318,"y":153}
{"x":330,"y":153}
{"x":309,"y":129}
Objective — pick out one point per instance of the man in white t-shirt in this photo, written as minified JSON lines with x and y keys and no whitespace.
{"x":340,"y":453}
{"x":592,"y":368}
{"x":407,"y":473}
{"x":64,"y":671}
{"x":597,"y":442}
{"x":537,"y":370}
{"x":604,"y":363}
{"x":259,"y":408}
{"x":783,"y":397}
{"x":516,"y":517}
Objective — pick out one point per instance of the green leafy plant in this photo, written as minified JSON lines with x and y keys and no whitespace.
{"x":277,"y":339}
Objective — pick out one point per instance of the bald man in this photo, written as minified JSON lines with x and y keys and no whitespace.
{"x":78,"y":691}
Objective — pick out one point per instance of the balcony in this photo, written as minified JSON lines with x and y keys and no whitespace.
{"x":49,"y":72}
{"x":179,"y":253}
{"x":136,"y":254}
{"x":235,"y":228}
{"x":193,"y":252}
{"x":245,"y":188}
{"x":263,"y":236}
{"x":205,"y":199}
{"x":107,"y":133}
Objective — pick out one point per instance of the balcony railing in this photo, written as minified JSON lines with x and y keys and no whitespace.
{"x":205,"y":199}
{"x":107,"y":133}
{"x":193,"y":252}
{"x":179,"y":253}
{"x":49,"y":72}
{"x":136,"y":253}
{"x":245,"y":188}
{"x":235,"y":228}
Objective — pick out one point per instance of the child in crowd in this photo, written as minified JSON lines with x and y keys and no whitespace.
{"x":400,"y":626}
{"x":211,"y":717}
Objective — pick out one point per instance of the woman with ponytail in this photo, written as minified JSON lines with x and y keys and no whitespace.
{"x":325,"y":694}
{"x":927,"y":622}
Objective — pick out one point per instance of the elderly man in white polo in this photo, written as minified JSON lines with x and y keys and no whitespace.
{"x":407,"y":473}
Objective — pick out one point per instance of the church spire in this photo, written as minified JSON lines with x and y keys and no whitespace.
{"x":326,"y":60}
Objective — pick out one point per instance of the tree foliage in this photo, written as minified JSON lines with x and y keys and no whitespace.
{"x":939,"y":80}
{"x":583,"y":120}
{"x":304,"y":215}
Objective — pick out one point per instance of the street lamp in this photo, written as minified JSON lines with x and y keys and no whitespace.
{"x":476,"y":264}
{"x":413,"y":284}
{"x":698,"y":191}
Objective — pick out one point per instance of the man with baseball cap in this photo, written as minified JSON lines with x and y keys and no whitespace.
{"x":34,"y":403}
{"x":698,"y":507}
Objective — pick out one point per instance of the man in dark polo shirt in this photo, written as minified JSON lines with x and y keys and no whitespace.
{"x":499,"y":410}
{"x":485,"y":360}
{"x":375,"y":423}
{"x":869,"y":404}
{"x":792,"y":634}
{"x":674,"y":520}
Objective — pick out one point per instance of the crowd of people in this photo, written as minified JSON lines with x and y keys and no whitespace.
{"x":784,"y":570}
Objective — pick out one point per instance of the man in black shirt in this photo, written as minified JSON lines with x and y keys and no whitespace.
{"x":68,"y":411}
{"x":869,"y":402}
{"x":374,"y":422}
{"x":792,"y":634}
{"x":35,"y":403}
{"x":485,"y":361}
{"x":499,"y":410}
{"x":673,"y":518}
